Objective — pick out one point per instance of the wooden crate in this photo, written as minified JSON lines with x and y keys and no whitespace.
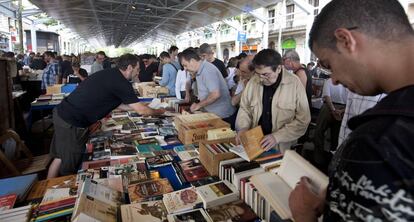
{"x":190,"y":133}
{"x":210,"y":160}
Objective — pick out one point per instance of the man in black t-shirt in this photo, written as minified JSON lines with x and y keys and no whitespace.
{"x":66,"y":67}
{"x":148,"y":69}
{"x":78,"y":74}
{"x":367,"y":46}
{"x":92,"y":100}
{"x":206,"y":53}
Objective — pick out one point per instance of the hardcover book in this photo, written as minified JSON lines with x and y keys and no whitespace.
{"x":151,"y":211}
{"x":217,"y":193}
{"x":146,"y":190}
{"x":193,"y":170}
{"x":181,"y":200}
{"x":292,"y":169}
{"x":250,"y":147}
{"x":95,"y":208}
{"x":198,"y":215}
{"x":7,"y":201}
{"x":237,"y":211}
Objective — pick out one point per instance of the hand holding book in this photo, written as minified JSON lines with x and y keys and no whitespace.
{"x":268,"y":142}
{"x":305,"y":203}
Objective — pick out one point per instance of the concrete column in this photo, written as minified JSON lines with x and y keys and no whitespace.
{"x":265,"y":39}
{"x":219,"y":53}
{"x":33,"y":36}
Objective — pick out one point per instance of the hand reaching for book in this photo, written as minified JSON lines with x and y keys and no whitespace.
{"x":305,"y":204}
{"x":268,"y":142}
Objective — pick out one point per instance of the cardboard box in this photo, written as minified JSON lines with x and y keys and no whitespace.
{"x":189,"y":133}
{"x":55,"y":89}
{"x":210,"y":160}
{"x":150,"y":90}
{"x":194,"y":118}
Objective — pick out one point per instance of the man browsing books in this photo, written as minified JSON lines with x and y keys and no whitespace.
{"x":276,"y":100}
{"x":92,"y":100}
{"x":213,"y":92}
{"x":368,"y":46}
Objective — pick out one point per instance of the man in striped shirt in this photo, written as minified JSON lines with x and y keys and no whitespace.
{"x":52,"y":70}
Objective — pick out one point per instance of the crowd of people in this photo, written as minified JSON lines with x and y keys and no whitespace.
{"x":364,"y":57}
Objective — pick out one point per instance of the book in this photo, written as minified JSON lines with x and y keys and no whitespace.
{"x":223,"y":163}
{"x":144,"y":191}
{"x":151,"y":211}
{"x":57,"y":194}
{"x":188,"y":155}
{"x":7,"y":201}
{"x":85,"y":218}
{"x":193,"y":170}
{"x":198,"y":215}
{"x":137,"y":177}
{"x":102,"y":192}
{"x":20,"y":186}
{"x":217,"y":193}
{"x":205,"y":181}
{"x":122,"y":150}
{"x":250,"y":147}
{"x":292,"y":169}
{"x":16,"y":214}
{"x":237,"y":211}
{"x":158,"y":161}
{"x":220,"y":133}
{"x":182,"y":200}
{"x":95,"y":208}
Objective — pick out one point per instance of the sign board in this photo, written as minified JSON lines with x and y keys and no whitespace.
{"x":241,"y":36}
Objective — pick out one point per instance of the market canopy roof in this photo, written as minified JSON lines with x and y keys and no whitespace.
{"x":123,"y":22}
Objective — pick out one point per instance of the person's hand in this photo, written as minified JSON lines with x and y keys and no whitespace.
{"x":187,"y":98}
{"x":195,"y":107}
{"x":338,"y":114}
{"x":306,"y":206}
{"x":238,"y":141}
{"x":268,"y":142}
{"x":159,"y":111}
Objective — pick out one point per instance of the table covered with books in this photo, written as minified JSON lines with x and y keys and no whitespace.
{"x":167,"y":168}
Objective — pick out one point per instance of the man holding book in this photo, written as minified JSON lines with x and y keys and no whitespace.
{"x":276,"y":100}
{"x":368,"y":46}
{"x":92,"y":100}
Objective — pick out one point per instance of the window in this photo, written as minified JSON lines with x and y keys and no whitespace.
{"x":290,"y":9}
{"x":208,"y":35}
{"x":252,"y":25}
{"x":272,"y":16}
{"x":315,"y":3}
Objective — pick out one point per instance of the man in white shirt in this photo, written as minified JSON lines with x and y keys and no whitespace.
{"x":330,"y":116}
{"x":355,"y":105}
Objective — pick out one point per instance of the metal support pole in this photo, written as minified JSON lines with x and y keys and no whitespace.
{"x":20,"y":24}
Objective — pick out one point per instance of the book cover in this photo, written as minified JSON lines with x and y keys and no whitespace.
{"x":198,"y":215}
{"x":250,"y":147}
{"x":102,"y":192}
{"x":205,"y":181}
{"x":137,"y":177}
{"x":193,"y":170}
{"x":39,"y":188}
{"x":151,"y":211}
{"x":237,"y":211}
{"x":181,"y":200}
{"x":158,"y":161}
{"x":188,"y":155}
{"x":20,"y":186}
{"x":95,"y":208}
{"x":142,"y":191}
{"x":217,"y":193}
{"x":7,"y":201}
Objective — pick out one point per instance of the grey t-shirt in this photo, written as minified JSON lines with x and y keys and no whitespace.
{"x":209,"y":79}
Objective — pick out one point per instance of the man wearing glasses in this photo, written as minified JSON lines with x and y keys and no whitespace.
{"x":98,"y":64}
{"x":276,"y":100}
{"x":368,"y":45}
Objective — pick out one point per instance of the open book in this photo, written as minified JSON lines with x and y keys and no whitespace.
{"x":250,"y":147}
{"x":277,"y":188}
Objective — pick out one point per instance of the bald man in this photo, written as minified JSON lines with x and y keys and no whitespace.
{"x":245,"y":72}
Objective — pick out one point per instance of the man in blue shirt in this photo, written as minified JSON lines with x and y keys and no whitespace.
{"x":169,"y":73}
{"x":52,"y":70}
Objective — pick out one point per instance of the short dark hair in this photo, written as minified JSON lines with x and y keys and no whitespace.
{"x":145,"y":56}
{"x":76,"y":64}
{"x":101,"y":53}
{"x":179,"y":55}
{"x":164,"y":54}
{"x":9,"y":54}
{"x":172,"y":49}
{"x":49,"y":53}
{"x":152,"y":56}
{"x":268,"y":57}
{"x":242,"y":56}
{"x":311,"y":64}
{"x":381,"y":19}
{"x":125,"y":60}
{"x":205,"y":48}
{"x":189,"y":54}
